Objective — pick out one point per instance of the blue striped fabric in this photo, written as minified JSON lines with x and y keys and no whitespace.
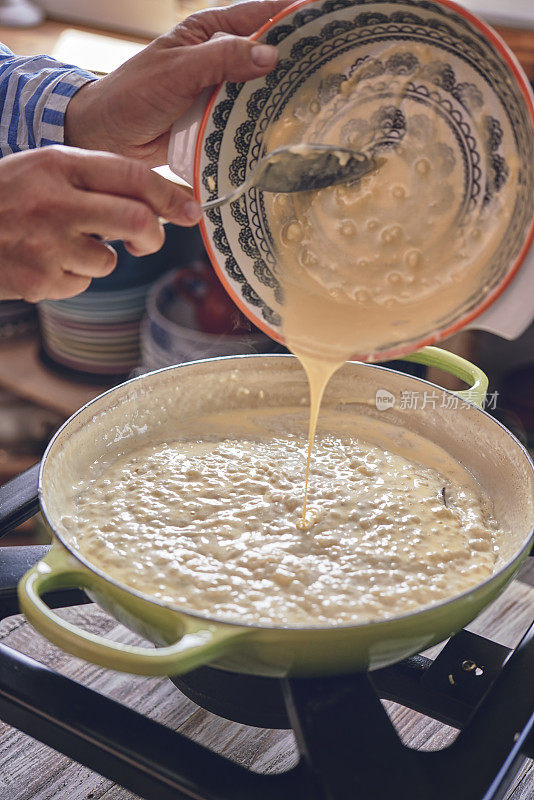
{"x":34,"y":94}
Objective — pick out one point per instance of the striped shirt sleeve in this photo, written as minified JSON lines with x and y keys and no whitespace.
{"x":34,"y":94}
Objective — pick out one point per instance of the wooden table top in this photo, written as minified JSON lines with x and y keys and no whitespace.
{"x":30,"y":770}
{"x":43,"y":39}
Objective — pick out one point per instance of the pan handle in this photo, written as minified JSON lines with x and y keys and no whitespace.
{"x":197,"y":642}
{"x":461,"y":368}
{"x":19,"y":499}
{"x":457,"y":366}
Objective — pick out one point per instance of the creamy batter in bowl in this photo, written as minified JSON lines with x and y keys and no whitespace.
{"x":414,"y":251}
{"x":156,"y":407}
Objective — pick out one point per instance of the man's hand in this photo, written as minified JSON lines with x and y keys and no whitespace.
{"x":57,"y":205}
{"x":131,"y":111}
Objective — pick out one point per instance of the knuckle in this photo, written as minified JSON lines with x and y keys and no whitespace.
{"x":44,"y":210}
{"x":136,"y":174}
{"x":52,"y":156}
{"x":172,"y":203}
{"x":234,"y":49}
{"x":33,"y":285}
{"x":140,"y":217}
{"x":43,"y":249}
{"x":192,"y":29}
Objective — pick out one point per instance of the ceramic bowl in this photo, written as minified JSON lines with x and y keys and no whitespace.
{"x":169,"y":334}
{"x":470,"y":66}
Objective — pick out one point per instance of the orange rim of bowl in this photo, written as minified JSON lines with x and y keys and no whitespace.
{"x":521,"y":80}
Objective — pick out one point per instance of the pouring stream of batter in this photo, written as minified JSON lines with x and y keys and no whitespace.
{"x":319,"y":373}
{"x":377,"y":264}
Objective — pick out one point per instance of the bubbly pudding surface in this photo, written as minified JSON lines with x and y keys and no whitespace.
{"x":212,"y":524}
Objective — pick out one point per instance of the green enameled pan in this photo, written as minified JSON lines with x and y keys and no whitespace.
{"x":154,"y":404}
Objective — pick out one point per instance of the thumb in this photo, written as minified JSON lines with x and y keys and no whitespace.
{"x":226,"y":58}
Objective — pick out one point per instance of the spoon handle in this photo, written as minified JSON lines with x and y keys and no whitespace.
{"x":227,"y":198}
{"x":219,"y":201}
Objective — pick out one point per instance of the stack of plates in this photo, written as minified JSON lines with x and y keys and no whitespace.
{"x":16,"y":319}
{"x":96,"y":332}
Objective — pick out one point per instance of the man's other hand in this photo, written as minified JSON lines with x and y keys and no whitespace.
{"x":58,"y":205}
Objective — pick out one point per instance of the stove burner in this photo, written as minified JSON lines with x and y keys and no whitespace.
{"x":248,"y":699}
{"x":474,"y":684}
{"x":448,"y":689}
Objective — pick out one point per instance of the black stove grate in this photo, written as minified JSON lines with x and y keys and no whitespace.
{"x":348,"y":745}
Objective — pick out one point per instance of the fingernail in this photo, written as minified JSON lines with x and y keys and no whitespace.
{"x":192,"y":211}
{"x":264,"y":55}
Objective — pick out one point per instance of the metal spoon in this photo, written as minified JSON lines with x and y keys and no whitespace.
{"x":302,"y":168}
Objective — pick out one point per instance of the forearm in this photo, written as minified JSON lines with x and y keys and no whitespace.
{"x":34,"y":94}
